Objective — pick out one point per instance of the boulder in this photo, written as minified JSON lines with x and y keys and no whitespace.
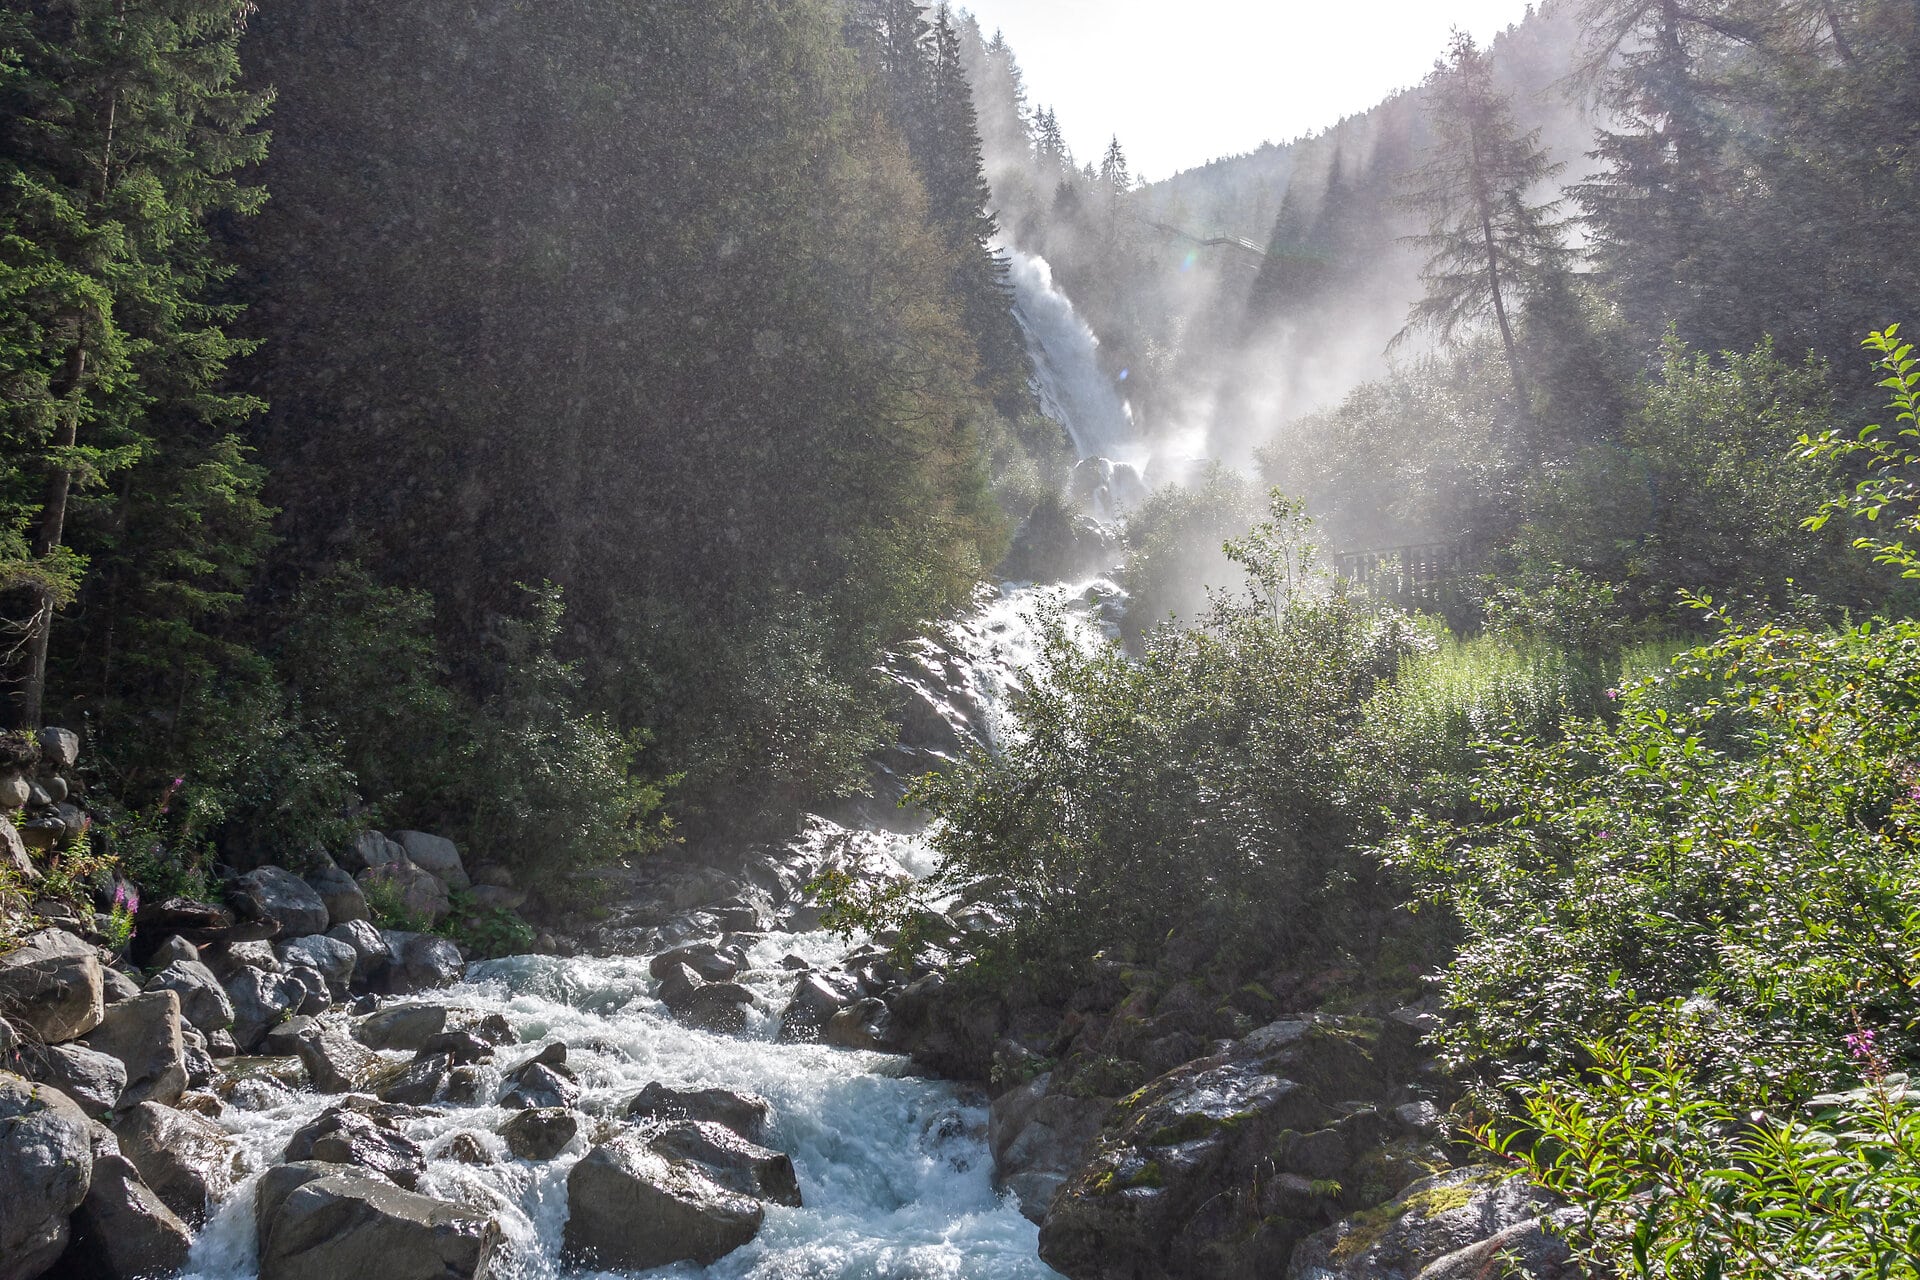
{"x":46,"y":1159}
{"x":200,"y":923}
{"x":276,"y":894}
{"x":730,"y":1160}
{"x":188,"y":1160}
{"x":13,"y":851}
{"x":93,"y":1080}
{"x":368,"y":1140}
{"x":704,"y":958}
{"x":59,"y":749}
{"x":538,"y":1086}
{"x":173,"y":947}
{"x":331,"y":958}
{"x":354,"y":1225}
{"x":421,"y":962}
{"x":370,"y":954}
{"x":463,"y":1048}
{"x":744,"y":1113}
{"x":116,"y":987}
{"x":720,"y":1007}
{"x":816,"y":998}
{"x":418,"y":893}
{"x":435,"y":855}
{"x":316,"y":997}
{"x":420,"y":1083}
{"x":406,"y":1027}
{"x":1038,"y":1138}
{"x":335,"y":1061}
{"x":340,"y":893}
{"x":1459,"y":1225}
{"x":947,"y":1030}
{"x":540,"y":1133}
{"x":369,"y":851}
{"x":227,"y":959}
{"x":276,"y":1184}
{"x":50,"y":987}
{"x":631,"y":1208}
{"x":203,"y":1002}
{"x":14,"y":791}
{"x":261,"y":1001}
{"x":144,"y":1033}
{"x":122,"y":1230}
{"x":861,"y":1025}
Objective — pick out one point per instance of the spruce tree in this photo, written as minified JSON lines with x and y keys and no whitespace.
{"x":122,"y":127}
{"x":1489,"y":244}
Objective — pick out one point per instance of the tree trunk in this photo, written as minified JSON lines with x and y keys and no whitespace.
{"x":29,"y":700}
{"x":1506,"y":325}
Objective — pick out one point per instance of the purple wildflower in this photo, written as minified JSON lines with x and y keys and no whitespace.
{"x":1860,"y":1044}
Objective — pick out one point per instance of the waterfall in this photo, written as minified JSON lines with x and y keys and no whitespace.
{"x":1072,"y":387}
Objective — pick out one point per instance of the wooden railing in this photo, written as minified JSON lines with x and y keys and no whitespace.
{"x":1428,"y":575}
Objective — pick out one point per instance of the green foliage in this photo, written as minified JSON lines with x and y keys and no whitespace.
{"x":1889,"y":457}
{"x":1175,"y":548}
{"x":488,"y":933}
{"x":389,"y":911}
{"x":1674,"y":1184}
{"x":1215,"y":783}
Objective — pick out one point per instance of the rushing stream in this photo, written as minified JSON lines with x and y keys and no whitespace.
{"x":893,"y":1167}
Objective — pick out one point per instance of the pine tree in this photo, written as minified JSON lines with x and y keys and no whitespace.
{"x":122,"y":126}
{"x":1489,"y":246}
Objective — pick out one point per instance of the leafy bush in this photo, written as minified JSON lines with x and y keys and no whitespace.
{"x":1216,"y":784}
{"x":1174,"y":548}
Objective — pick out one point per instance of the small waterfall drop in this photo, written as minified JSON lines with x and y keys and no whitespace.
{"x":1073,"y":389}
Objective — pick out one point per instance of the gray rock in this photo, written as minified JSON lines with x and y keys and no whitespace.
{"x":335,"y":1061}
{"x":13,"y":851}
{"x":719,"y":1007}
{"x":203,"y":1002}
{"x":816,"y":998}
{"x":279,"y":1182}
{"x":420,"y":893}
{"x":276,"y":894}
{"x":345,"y":902}
{"x":46,"y":1159}
{"x":50,"y":986}
{"x":420,"y":1083}
{"x":354,"y":1225}
{"x":283,"y":1041}
{"x":370,"y":850}
{"x":730,"y":1160}
{"x":406,"y":1027}
{"x":462,"y":1048}
{"x":493,"y":897}
{"x":370,"y":954}
{"x":261,"y":1001}
{"x":630,"y":1208}
{"x":744,"y":1113}
{"x":122,"y":1230}
{"x":1038,"y":1138}
{"x":14,"y":791}
{"x":436,"y":856}
{"x":188,"y":1160}
{"x":173,"y":948}
{"x":59,"y":749}
{"x":421,"y":962}
{"x":144,"y":1033}
{"x":1457,"y":1225}
{"x":537,"y":1087}
{"x":861,"y":1025}
{"x":193,"y":1052}
{"x":540,"y":1133}
{"x":92,"y":1079}
{"x":467,"y":1148}
{"x":116,"y":987}
{"x":333,"y":959}
{"x":346,"y":1136}
{"x":316,"y":997}
{"x":704,"y":958}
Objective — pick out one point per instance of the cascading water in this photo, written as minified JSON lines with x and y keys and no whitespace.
{"x":894,"y":1169}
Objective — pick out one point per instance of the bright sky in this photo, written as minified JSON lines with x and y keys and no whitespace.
{"x":1185,"y":81}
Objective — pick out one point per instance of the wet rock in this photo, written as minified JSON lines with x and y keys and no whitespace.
{"x":466,"y":1086}
{"x":816,"y":998}
{"x":144,"y":1034}
{"x":315,"y":996}
{"x":420,"y":1083}
{"x":538,"y":1086}
{"x":370,"y":953}
{"x":188,"y":1160}
{"x":340,"y":893}
{"x":284,"y":1040}
{"x":1039,"y":1138}
{"x":630,"y":1208}
{"x":353,"y":1225}
{"x":467,"y":1148}
{"x":261,"y":1000}
{"x":364,"y":1139}
{"x":406,"y":1027}
{"x":332,"y":959}
{"x":50,"y":986}
{"x":744,"y":1113}
{"x":46,"y":1158}
{"x":203,"y":1002}
{"x":946,"y":1030}
{"x":464,"y":1048}
{"x":279,"y":1182}
{"x":200,"y":1103}
{"x":93,"y":1080}
{"x":273,"y":893}
{"x":541,"y":1133}
{"x":704,"y":958}
{"x":730,"y":1160}
{"x":861,"y":1025}
{"x":420,"y":962}
{"x":122,"y":1230}
{"x":1458,"y":1225}
{"x":335,"y":1061}
{"x":719,"y":1007}
{"x":435,"y":855}
{"x":677,"y":984}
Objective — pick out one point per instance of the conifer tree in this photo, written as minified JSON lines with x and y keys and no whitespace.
{"x":122,"y":126}
{"x":1489,"y":244}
